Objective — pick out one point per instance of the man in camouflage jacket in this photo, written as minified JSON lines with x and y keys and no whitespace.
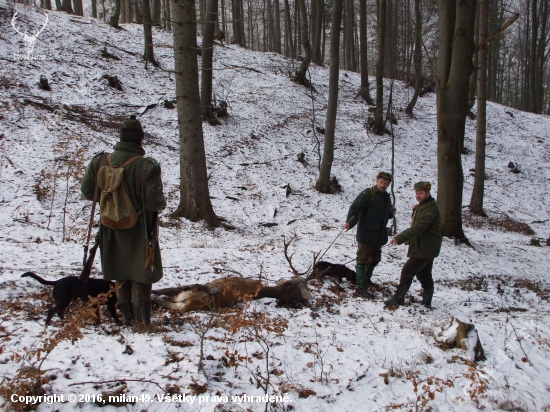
{"x":424,"y":239}
{"x":123,"y":251}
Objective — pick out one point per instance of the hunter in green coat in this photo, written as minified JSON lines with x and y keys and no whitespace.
{"x":370,"y":211}
{"x":424,"y":239}
{"x":123,"y":251}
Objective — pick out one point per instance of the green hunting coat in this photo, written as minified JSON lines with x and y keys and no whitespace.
{"x":371,"y":223}
{"x":424,"y":236}
{"x":123,"y":252}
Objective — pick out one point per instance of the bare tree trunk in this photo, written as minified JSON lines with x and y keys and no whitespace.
{"x":277,"y":32}
{"x":155,"y":11}
{"x":94,"y":7}
{"x":207,"y":66}
{"x":533,"y":62}
{"x":350,"y":49}
{"x":318,"y":21}
{"x":301,"y":73}
{"x":238,"y":23}
{"x":148,"y":54}
{"x":379,"y":114}
{"x":195,"y":202}
{"x":297,"y":24}
{"x":224,"y":28}
{"x":67,"y":7}
{"x":473,"y":76}
{"x":77,"y":7}
{"x":168,"y":14}
{"x":271,"y":24}
{"x":456,"y":48}
{"x":323,"y":183}
{"x":113,"y":21}
{"x":364,"y":92}
{"x":417,"y":57}
{"x":476,"y":202}
{"x":290,"y":50}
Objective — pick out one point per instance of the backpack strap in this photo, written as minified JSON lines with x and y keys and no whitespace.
{"x":101,"y":161}
{"x":126,"y":163}
{"x":144,"y":191}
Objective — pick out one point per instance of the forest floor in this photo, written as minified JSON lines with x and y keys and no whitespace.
{"x":337,"y":353}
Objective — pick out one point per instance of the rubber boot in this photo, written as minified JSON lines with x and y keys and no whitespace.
{"x":142,"y":313}
{"x":368,"y":276}
{"x":128,"y":313}
{"x":427,"y":295}
{"x":361,"y":280}
{"x":399,"y":297}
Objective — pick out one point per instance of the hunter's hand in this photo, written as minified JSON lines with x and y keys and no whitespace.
{"x":415,"y":207}
{"x":393,"y":242}
{"x":393,"y":209}
{"x":346,"y":226}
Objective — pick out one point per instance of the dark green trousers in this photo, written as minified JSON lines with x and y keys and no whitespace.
{"x":129,"y":291}
{"x":368,"y":254}
{"x":422,"y":269}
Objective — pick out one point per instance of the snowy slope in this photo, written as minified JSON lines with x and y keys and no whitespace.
{"x":353,"y":354}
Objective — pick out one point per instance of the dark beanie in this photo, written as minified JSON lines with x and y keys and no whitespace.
{"x":131,"y":130}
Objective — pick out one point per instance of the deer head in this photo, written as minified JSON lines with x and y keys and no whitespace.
{"x":29,"y":39}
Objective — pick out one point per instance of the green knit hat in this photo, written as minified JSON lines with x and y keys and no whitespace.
{"x":131,"y":130}
{"x":384,"y":175}
{"x":422,"y":186}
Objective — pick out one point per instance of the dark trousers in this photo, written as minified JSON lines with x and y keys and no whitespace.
{"x":422,"y":269}
{"x":368,"y":254}
{"x":129,"y":291}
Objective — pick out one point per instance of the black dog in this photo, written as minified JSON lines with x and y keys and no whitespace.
{"x":69,"y":288}
{"x":333,"y":270}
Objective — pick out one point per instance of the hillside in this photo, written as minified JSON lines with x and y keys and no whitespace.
{"x":338,"y":353}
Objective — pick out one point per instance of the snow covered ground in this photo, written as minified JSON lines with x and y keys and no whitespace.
{"x":338,"y":353}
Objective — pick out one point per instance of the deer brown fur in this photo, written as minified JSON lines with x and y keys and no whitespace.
{"x":228,"y":291}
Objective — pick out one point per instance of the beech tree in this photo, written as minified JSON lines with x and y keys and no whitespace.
{"x":456,"y":48}
{"x":323,"y":183}
{"x":148,"y":54}
{"x":301,"y":73}
{"x":417,"y":57}
{"x":364,"y":92}
{"x":476,"y":202}
{"x":379,"y":113}
{"x":195,"y":202}
{"x":207,"y":66}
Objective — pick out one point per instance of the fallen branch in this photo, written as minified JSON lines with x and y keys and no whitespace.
{"x":241,"y":67}
{"x":118,"y":380}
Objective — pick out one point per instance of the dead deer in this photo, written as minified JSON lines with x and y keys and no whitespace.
{"x":228,"y":291}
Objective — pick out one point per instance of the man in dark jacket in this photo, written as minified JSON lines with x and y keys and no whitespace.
{"x":123,"y":251}
{"x":371,"y":211}
{"x":424,"y":239}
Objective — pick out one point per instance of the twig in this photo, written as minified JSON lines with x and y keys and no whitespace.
{"x":367,"y":316}
{"x":233,"y":271}
{"x":520,"y":345}
{"x":119,"y":380}
{"x":313,"y":124}
{"x":241,"y":67}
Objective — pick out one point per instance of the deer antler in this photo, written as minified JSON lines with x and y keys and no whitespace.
{"x":14,"y":18}
{"x":289,"y":259}
{"x":36,"y":33}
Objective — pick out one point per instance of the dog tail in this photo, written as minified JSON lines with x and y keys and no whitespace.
{"x":38,"y":278}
